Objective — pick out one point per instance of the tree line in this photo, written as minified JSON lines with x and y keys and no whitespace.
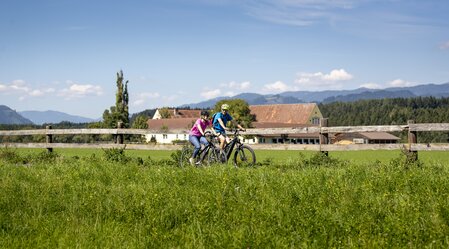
{"x":395,"y":111}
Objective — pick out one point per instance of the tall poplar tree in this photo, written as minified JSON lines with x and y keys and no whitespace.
{"x":119,"y":112}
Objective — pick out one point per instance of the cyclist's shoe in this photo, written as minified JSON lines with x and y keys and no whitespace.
{"x":192,"y":161}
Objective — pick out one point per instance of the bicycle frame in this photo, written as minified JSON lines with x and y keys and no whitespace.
{"x":231,"y":145}
{"x":202,"y":154}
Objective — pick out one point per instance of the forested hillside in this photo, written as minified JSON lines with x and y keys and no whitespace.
{"x":390,"y":112}
{"x":387,"y":111}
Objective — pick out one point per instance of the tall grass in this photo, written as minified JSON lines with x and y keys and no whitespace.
{"x":304,"y":202}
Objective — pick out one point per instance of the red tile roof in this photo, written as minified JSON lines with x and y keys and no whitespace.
{"x":267,"y":116}
{"x":283,"y":113}
{"x":183,"y":113}
{"x":171,"y":123}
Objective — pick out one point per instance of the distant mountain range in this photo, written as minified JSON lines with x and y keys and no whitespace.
{"x":41,"y":117}
{"x":9,"y":116}
{"x":435,"y":90}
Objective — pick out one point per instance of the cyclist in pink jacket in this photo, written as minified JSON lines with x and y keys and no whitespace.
{"x":196,"y":134}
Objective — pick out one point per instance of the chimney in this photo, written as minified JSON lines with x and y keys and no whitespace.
{"x":175,"y":112}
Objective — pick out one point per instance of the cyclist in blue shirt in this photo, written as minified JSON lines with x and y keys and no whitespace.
{"x":219,"y":125}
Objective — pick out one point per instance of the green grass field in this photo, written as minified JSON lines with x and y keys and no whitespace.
{"x":84,"y":199}
{"x":278,"y":156}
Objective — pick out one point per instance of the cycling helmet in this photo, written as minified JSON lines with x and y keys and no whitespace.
{"x":205,"y":113}
{"x":224,"y":106}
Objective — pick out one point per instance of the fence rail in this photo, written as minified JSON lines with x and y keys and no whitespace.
{"x":265,"y":131}
{"x":323,"y":130}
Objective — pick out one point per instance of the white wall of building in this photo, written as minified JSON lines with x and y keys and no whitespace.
{"x":166,"y":138}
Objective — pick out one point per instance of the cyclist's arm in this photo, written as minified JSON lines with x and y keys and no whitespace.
{"x":220,"y":121}
{"x":238,"y":126}
{"x":200,"y":129}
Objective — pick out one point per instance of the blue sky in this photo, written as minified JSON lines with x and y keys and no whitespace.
{"x":63,"y":55}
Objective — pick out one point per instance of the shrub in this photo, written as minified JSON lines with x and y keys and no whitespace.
{"x":116,"y":155}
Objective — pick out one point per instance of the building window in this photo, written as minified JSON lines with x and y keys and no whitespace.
{"x":275,"y":141}
{"x":164,"y":136}
{"x":315,"y":121}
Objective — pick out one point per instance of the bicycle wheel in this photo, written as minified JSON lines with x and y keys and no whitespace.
{"x":213,"y":156}
{"x":244,"y":156}
{"x":186,"y":153}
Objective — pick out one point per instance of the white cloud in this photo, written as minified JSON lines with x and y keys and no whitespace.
{"x":276,"y":87}
{"x":227,"y":89}
{"x":3,"y":88}
{"x":400,"y":83}
{"x":337,"y":75}
{"x":21,"y":88}
{"x":444,"y":45}
{"x":81,"y":91}
{"x":19,"y":85}
{"x":371,"y":86}
{"x":209,"y":94}
{"x":319,"y":80}
{"x":36,"y":93}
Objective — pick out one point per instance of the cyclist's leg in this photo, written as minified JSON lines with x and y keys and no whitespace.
{"x":222,"y":154}
{"x":228,"y":139}
{"x":196,"y":143}
{"x":204,"y":141}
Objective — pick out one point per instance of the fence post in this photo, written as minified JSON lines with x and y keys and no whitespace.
{"x":120,"y":137}
{"x":412,"y":139}
{"x":49,"y":139}
{"x":324,"y":137}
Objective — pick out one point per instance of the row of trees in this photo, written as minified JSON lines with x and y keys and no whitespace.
{"x":387,"y":111}
{"x":391,"y":112}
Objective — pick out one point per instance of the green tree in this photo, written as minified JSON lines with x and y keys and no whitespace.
{"x":140,"y":122}
{"x":119,"y":112}
{"x":238,"y":109}
{"x":164,"y":112}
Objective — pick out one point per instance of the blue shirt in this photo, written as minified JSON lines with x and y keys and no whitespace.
{"x":225,"y":118}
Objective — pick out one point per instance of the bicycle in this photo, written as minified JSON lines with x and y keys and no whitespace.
{"x":243,"y":154}
{"x":187,"y":151}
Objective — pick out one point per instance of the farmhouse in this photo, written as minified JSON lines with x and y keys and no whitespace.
{"x":177,"y":123}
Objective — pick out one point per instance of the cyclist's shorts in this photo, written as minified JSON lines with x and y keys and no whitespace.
{"x":221,"y":133}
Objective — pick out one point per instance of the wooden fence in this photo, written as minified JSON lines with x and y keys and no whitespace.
{"x":324,"y":146}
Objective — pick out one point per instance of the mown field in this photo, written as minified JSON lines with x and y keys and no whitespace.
{"x":104,"y":199}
